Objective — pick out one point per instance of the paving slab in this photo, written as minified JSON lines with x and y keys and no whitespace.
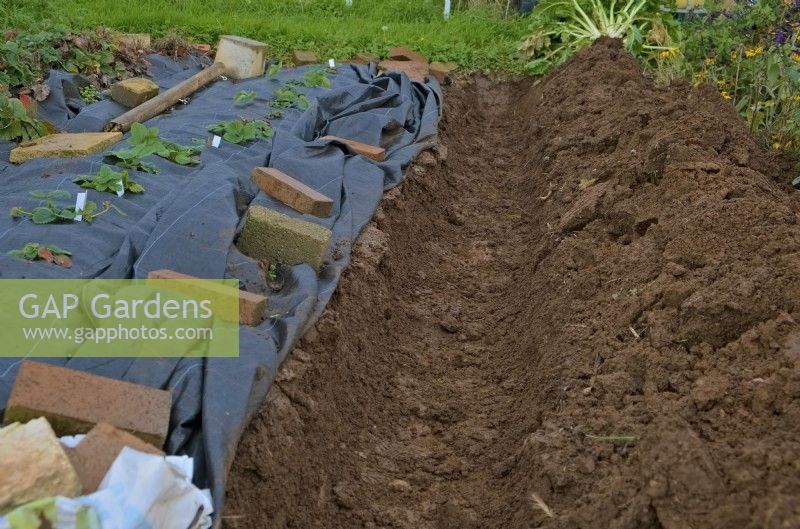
{"x":65,"y":145}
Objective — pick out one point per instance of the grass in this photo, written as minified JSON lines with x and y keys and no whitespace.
{"x":475,"y":37}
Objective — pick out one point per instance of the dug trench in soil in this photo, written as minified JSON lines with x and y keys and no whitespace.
{"x":585,"y":315}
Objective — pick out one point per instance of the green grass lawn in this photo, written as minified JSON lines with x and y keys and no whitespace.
{"x":474,"y":38}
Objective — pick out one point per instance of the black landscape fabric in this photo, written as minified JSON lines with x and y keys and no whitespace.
{"x":188,"y":219}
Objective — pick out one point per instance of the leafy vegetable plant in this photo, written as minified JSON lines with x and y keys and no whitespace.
{"x":244,"y":97}
{"x":16,"y":124}
{"x":52,"y":213}
{"x":110,"y":181}
{"x":240,"y":131}
{"x":274,"y":69}
{"x":561,"y":27}
{"x":289,"y":97}
{"x":51,"y":253}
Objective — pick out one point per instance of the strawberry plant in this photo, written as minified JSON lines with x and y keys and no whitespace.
{"x":289,"y":97}
{"x":313,"y":79}
{"x":145,"y":141}
{"x":16,"y":124}
{"x":33,"y":251}
{"x":109,"y":181}
{"x":90,"y":94}
{"x":51,"y":212}
{"x":274,"y":69}
{"x":240,"y":131}
{"x":244,"y":97}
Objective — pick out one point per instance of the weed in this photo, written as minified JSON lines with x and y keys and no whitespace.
{"x":274,"y":70}
{"x":109,"y":181}
{"x":90,"y":94}
{"x":34,"y":251}
{"x":312,"y":79}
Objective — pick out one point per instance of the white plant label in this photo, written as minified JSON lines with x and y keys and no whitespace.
{"x":331,"y":63}
{"x":348,"y":3}
{"x":446,"y":9}
{"x":80,"y":203}
{"x":121,"y":190}
{"x":215,"y":141}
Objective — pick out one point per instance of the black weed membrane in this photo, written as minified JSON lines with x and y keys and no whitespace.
{"x":188,"y":218}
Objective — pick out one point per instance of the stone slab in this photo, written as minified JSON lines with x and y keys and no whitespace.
{"x":243,"y":58}
{"x":66,"y":145}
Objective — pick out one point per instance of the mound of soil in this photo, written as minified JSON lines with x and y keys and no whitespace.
{"x":581,"y":311}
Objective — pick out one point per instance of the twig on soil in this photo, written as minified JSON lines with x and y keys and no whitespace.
{"x":636,"y":334}
{"x":539,"y":503}
{"x":549,"y":192}
{"x":614,"y":438}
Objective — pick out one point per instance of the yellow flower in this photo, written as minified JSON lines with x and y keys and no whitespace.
{"x":664,"y":54}
{"x":725,"y":95}
{"x":796,"y":99}
{"x":796,"y":57}
{"x":710,"y":60}
{"x":754,"y":52}
{"x":734,"y":54}
{"x":776,"y":146}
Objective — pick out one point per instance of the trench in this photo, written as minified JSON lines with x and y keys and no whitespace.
{"x":393,"y":411}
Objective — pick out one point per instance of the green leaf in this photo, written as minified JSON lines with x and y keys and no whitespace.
{"x":43,"y":215}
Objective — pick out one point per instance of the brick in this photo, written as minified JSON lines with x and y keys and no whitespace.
{"x":291,"y":192}
{"x":67,"y":145}
{"x":243,"y":58}
{"x":442,"y":70}
{"x":366,"y":58}
{"x":278,"y":238}
{"x":95,"y":454}
{"x":251,"y":306}
{"x":139,"y":41}
{"x":73,"y":402}
{"x":34,"y":465}
{"x":416,"y":71}
{"x":369,"y":151}
{"x":302,"y":57}
{"x":134,"y":91}
{"x":401,"y":53}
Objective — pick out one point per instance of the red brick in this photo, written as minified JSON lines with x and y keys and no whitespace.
{"x":369,"y":151}
{"x":301,"y":58}
{"x":366,"y":58}
{"x":416,"y":71}
{"x":291,"y":192}
{"x":73,"y":402}
{"x":401,"y":53}
{"x":251,"y":306}
{"x":95,"y":454}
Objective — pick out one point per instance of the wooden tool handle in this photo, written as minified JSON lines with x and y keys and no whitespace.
{"x":165,"y":100}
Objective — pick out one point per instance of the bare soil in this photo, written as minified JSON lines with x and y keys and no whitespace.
{"x":580,"y":311}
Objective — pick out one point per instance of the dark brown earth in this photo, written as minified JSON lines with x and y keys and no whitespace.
{"x":581,"y":311}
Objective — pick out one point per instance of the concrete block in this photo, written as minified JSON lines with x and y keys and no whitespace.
{"x":34,"y":465}
{"x":134,"y":91}
{"x":401,"y":53}
{"x":441,"y":70}
{"x":416,"y":71}
{"x":278,"y":238}
{"x":67,"y":145}
{"x":243,"y":58}
{"x":73,"y":402}
{"x":291,"y":192}
{"x":366,"y":58}
{"x":251,"y":306}
{"x":138,"y":41}
{"x":95,"y":454}
{"x":369,"y":151}
{"x":301,"y":58}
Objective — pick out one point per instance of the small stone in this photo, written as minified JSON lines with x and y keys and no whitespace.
{"x":134,"y":91}
{"x":400,"y":485}
{"x":34,"y":465}
{"x":450,"y":324}
{"x":427,"y":159}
